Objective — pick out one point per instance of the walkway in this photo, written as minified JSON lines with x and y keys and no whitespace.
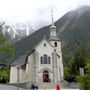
{"x":8,"y":87}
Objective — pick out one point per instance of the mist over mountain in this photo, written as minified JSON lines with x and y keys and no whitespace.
{"x":73,"y":29}
{"x":17,"y":31}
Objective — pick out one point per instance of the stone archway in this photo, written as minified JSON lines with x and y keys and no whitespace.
{"x":46,"y":76}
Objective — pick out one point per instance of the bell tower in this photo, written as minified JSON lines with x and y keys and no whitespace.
{"x":53,"y":35}
{"x":57,"y":54}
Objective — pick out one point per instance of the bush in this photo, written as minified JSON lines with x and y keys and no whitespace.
{"x":84,"y":82}
{"x":70,"y":78}
{"x":4,"y":75}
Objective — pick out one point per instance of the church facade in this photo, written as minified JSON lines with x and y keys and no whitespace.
{"x":42,"y":64}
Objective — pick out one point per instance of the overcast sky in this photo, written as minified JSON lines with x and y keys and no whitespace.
{"x":36,"y":10}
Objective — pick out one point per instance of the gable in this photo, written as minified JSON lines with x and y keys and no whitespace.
{"x":44,"y":46}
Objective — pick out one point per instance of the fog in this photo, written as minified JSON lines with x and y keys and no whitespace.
{"x":36,"y":11}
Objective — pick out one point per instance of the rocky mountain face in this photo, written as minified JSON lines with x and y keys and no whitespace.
{"x":17,"y":32}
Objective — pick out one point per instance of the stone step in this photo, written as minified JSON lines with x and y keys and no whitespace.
{"x":49,"y":85}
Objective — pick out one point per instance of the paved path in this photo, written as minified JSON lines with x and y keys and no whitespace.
{"x":8,"y":87}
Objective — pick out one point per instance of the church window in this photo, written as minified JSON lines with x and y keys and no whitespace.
{"x":45,"y":59}
{"x":55,"y":44}
{"x":41,"y":60}
{"x":49,"y":60}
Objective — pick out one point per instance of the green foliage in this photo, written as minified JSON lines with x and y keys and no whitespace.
{"x":84,"y":82}
{"x":72,"y":69}
{"x":76,"y":62}
{"x":4,"y":75}
{"x":66,"y":70}
{"x":70,"y":78}
{"x":87,"y":69}
{"x":6,"y":49}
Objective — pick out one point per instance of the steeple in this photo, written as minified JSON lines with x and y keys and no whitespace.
{"x":53,"y":35}
{"x":52,"y":18}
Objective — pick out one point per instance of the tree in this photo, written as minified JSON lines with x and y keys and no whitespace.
{"x":6,"y":46}
{"x":88,"y":68}
{"x":6,"y":49}
{"x":84,"y":82}
{"x":77,"y":61}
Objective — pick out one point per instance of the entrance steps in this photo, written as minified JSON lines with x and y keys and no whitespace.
{"x":46,"y":86}
{"x":49,"y":85}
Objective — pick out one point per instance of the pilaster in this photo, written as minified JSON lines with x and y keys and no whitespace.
{"x":36,"y":67}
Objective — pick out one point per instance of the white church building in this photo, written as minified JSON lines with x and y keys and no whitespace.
{"x":42,"y":65}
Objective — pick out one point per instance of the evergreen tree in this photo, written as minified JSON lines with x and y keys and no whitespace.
{"x":6,"y":49}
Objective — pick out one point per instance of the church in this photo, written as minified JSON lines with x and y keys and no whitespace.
{"x":43,"y":64}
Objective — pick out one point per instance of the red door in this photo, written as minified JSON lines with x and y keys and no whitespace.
{"x":46,"y":76}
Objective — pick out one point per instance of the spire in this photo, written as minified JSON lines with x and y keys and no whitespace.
{"x":52,"y":27}
{"x":52,"y":22}
{"x":53,"y":35}
{"x":52,"y":17}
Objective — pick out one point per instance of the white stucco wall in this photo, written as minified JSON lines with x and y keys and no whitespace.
{"x":59,"y":60}
{"x":30,"y":72}
{"x":41,"y":49}
{"x":13,"y":74}
{"x":22,"y":75}
{"x":48,"y":49}
{"x":17,"y":75}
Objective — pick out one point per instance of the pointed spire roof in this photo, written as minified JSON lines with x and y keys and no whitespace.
{"x":52,"y":17}
{"x":52,"y":23}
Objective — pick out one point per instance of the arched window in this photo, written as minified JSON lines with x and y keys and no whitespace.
{"x":41,"y":60}
{"x":45,"y":59}
{"x":55,"y":44}
{"x":49,"y":60}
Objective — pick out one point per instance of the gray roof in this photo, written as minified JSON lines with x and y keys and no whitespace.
{"x":20,"y":61}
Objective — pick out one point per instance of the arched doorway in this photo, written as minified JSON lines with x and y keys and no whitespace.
{"x":46,"y":76}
